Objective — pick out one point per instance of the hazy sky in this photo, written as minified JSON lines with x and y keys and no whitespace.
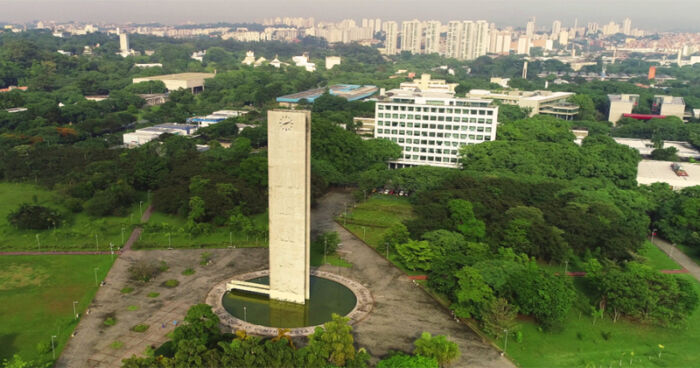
{"x":661,"y":15}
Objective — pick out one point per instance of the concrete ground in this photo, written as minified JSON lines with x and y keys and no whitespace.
{"x":401,"y":309}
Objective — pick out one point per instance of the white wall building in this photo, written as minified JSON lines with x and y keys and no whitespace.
{"x":431,"y":127}
{"x":145,"y":135}
{"x":411,"y":36}
{"x":432,"y":37}
{"x":332,"y":61}
{"x":392,"y":38}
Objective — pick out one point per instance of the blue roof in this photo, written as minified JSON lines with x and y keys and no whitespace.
{"x":350,"y":92}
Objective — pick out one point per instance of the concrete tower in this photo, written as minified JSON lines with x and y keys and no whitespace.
{"x":289,"y":172}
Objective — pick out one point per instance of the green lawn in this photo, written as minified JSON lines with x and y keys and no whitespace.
{"x":693,"y":253}
{"x":37,"y":294}
{"x":369,"y":221}
{"x":81,"y":232}
{"x":165,"y":231}
{"x":656,"y":258}
{"x":581,"y":344}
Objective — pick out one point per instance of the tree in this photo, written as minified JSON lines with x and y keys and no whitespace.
{"x":499,"y":316}
{"x":401,"y":360}
{"x":201,"y":328}
{"x":415,"y":254}
{"x":665,"y":154}
{"x":463,"y":219}
{"x":34,"y":217}
{"x":586,"y":107}
{"x":473,"y":293}
{"x":327,"y":242}
{"x":333,"y":343}
{"x":437,"y":347}
{"x":395,"y":234}
{"x":545,"y":296}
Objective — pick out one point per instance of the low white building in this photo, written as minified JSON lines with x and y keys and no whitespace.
{"x":332,"y":61}
{"x":145,"y":135}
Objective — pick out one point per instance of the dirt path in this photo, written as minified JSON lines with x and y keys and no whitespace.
{"x":402,"y":310}
{"x":686,"y":262}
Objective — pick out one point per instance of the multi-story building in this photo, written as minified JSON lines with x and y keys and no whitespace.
{"x":556,"y":28}
{"x":500,"y":42}
{"x":530,"y":28}
{"x":669,"y":106}
{"x":627,"y":26}
{"x":432,"y":37}
{"x":431,"y":126}
{"x":538,"y":102}
{"x":411,"y":35}
{"x":620,"y":105}
{"x":454,"y":39}
{"x":391,"y":29}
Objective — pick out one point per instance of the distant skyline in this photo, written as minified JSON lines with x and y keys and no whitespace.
{"x":657,"y":15}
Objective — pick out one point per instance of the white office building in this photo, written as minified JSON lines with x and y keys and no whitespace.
{"x":431,"y":126}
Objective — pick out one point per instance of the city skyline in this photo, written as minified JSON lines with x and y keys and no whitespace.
{"x":673,"y":16}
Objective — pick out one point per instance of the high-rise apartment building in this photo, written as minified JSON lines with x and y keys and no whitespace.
{"x":556,"y":28}
{"x":563,"y":38}
{"x":411,"y":36}
{"x":391,"y":29}
{"x":432,"y":37}
{"x":530,"y":28}
{"x":454,"y":39}
{"x":500,"y":42}
{"x":377,"y":25}
{"x":431,"y":127}
{"x":627,"y":26}
{"x":523,"y":46}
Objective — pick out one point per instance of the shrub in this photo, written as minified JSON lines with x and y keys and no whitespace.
{"x":153,"y":294}
{"x":34,"y":217}
{"x":438,"y":347}
{"x":188,"y":272}
{"x":171,"y":283}
{"x":145,"y":271}
{"x":133,"y":308}
{"x":110,"y":321}
{"x":205,"y":258}
{"x":406,"y":361}
{"x":116,"y":345}
{"x":126,"y":290}
{"x":140,"y":328}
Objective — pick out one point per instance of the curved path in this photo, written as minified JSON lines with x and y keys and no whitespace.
{"x":686,"y":262}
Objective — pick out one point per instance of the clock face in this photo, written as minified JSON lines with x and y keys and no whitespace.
{"x":286,"y":123}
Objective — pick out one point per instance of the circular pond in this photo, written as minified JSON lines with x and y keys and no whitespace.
{"x":326,"y":297}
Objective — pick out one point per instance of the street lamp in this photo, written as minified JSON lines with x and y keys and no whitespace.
{"x":75,"y":313}
{"x":505,"y":345}
{"x":245,"y":313}
{"x":325,"y":246}
{"x":96,"y":268}
{"x":97,"y":244}
{"x":364,"y":233}
{"x":38,"y":243}
{"x":122,"y":234}
{"x":140,"y":210}
{"x":53,"y":348}
{"x":111,"y":249}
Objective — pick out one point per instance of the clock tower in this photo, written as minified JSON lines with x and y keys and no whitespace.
{"x":289,"y":178}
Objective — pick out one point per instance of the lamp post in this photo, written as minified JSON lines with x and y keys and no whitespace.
{"x":325,"y":246}
{"x":386,"y":245}
{"x":111,"y":250}
{"x":364,"y":233}
{"x":505,"y":345}
{"x":53,"y":348}
{"x":38,"y":243}
{"x":97,"y":244}
{"x":245,"y":313}
{"x":566,"y":267}
{"x":75,"y":313}
{"x":140,"y":210}
{"x":122,"y":234}
{"x":653,"y":232}
{"x":96,"y":268}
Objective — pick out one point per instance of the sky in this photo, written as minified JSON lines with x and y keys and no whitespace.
{"x":656,"y":15}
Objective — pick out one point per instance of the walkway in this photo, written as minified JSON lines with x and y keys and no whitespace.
{"x":132,"y":239}
{"x":402,"y":310}
{"x":678,"y":256}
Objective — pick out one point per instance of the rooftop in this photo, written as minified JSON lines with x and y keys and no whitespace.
{"x":650,"y":172}
{"x":179,"y":76}
{"x":645,"y":146}
{"x":670,"y":100}
{"x":624,"y":98}
{"x":350,"y":92}
{"x":525,"y":95}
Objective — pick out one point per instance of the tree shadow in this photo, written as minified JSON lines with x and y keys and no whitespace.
{"x":7,"y":347}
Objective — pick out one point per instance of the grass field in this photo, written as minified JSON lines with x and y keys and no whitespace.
{"x":656,"y":258}
{"x":167,"y":231}
{"x":693,"y":253}
{"x":582,"y":344}
{"x":369,"y":221}
{"x":37,"y":294}
{"x":81,"y":232}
